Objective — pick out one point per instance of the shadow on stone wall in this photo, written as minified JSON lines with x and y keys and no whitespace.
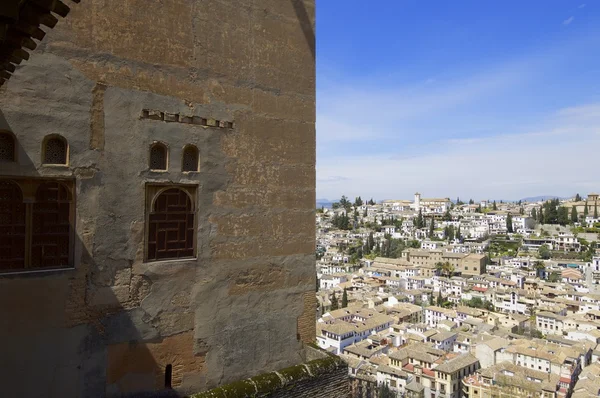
{"x":77,"y":332}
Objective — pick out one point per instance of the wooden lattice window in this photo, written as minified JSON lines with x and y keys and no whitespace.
{"x":159,"y":156}
{"x":55,"y":151}
{"x":36,"y":224}
{"x":12,"y":226}
{"x":51,"y":226}
{"x":7,"y":147}
{"x":171,"y":223}
{"x":189,"y":160}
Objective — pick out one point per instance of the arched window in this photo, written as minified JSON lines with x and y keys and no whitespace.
{"x":51,"y":226}
{"x":189,"y":160}
{"x":171,"y":225}
{"x":7,"y":147}
{"x":159,"y":156}
{"x":12,"y":226}
{"x":55,"y":150}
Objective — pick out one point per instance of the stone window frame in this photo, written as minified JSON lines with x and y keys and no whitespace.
{"x":152,"y":191}
{"x":65,"y":142}
{"x":11,"y":135}
{"x":29,"y":188}
{"x":186,"y":148}
{"x":165,"y":147}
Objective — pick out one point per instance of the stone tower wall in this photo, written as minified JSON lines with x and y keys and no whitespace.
{"x":236,"y":78}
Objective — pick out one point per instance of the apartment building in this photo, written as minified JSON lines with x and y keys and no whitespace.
{"x":506,"y":380}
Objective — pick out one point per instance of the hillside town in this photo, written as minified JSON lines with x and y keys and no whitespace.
{"x":434,"y":297}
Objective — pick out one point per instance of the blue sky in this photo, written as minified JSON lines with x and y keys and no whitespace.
{"x":462,"y":98}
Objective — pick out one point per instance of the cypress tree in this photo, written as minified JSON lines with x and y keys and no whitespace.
{"x":345,"y":299}
{"x":585,"y":210}
{"x":334,"y":303}
{"x":574,"y":217}
{"x":494,"y":206}
{"x":431,"y":228}
{"x":595,"y":210}
{"x":509,"y":225}
{"x":534,"y":214}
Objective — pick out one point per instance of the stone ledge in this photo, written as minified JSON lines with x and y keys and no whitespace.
{"x":151,"y":114}
{"x":268,"y":384}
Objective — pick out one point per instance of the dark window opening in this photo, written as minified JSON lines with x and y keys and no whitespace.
{"x":12,"y":227}
{"x":36,"y":224}
{"x":51,"y":226}
{"x":171,"y":225}
{"x":168,"y":376}
{"x":190,"y":159}
{"x":55,"y":151}
{"x":158,"y":157}
{"x":7,"y":147}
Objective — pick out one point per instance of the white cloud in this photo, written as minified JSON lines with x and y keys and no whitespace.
{"x":568,"y":21}
{"x":359,"y":113}
{"x":582,"y":5}
{"x":554,"y":159}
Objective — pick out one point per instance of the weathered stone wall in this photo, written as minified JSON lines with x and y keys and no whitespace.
{"x":112,"y":324}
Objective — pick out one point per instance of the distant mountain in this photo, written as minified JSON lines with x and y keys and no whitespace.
{"x":324,"y":203}
{"x":541,"y":197}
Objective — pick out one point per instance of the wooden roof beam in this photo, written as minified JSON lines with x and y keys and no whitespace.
{"x":31,"y":30}
{"x":55,"y":6}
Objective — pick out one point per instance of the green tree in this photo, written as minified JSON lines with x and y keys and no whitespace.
{"x":419,"y":220}
{"x":509,"y":224}
{"x":544,"y":252}
{"x":595,"y":210}
{"x":334,"y":302}
{"x":563,"y":215}
{"x":447,"y":216}
{"x":445,"y":268}
{"x":458,"y":234}
{"x":345,"y":299}
{"x":539,"y":267}
{"x":534,"y":214}
{"x":371,"y":202}
{"x":475,"y":302}
{"x":585,"y":210}
{"x":574,"y":217}
{"x":431,"y":227}
{"x":358,"y":202}
{"x":577,"y":198}
{"x":541,"y":217}
{"x":554,"y":277}
{"x":494,"y":207}
{"x":385,"y":392}
{"x":345,"y":203}
{"x":471,"y":202}
{"x":521,"y":211}
{"x":440,"y":299}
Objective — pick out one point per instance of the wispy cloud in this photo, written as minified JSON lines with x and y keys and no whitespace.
{"x":506,"y":166}
{"x":582,"y":5}
{"x":568,"y":21}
